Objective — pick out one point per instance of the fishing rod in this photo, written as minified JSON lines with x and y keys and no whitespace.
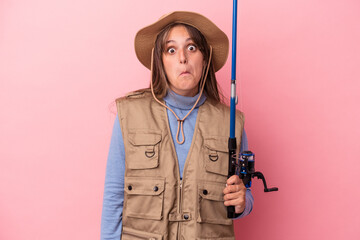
{"x":233,"y":97}
{"x":245,"y":166}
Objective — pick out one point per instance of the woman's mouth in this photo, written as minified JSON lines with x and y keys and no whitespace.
{"x":184,"y":73}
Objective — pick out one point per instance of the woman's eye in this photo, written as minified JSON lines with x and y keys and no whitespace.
{"x":191,"y":48}
{"x":171,"y":50}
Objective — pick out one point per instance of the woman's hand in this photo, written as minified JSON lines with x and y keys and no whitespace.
{"x":235,"y":192}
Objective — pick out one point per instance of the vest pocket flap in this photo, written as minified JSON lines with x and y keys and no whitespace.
{"x":144,"y":186}
{"x":144,"y":197}
{"x":212,"y":191}
{"x":217,"y":143}
{"x":143,"y":149}
{"x":144,"y":139}
{"x":216,"y":155}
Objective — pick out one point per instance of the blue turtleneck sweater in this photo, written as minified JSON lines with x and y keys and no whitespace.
{"x":115,"y":170}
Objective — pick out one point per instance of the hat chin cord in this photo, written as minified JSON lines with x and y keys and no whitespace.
{"x":180,"y":127}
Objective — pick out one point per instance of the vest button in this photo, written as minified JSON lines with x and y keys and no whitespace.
{"x":186,"y":217}
{"x":156,"y":188}
{"x":205,"y":192}
{"x":130,"y":187}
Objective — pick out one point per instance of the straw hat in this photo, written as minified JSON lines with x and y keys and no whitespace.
{"x":145,"y":38}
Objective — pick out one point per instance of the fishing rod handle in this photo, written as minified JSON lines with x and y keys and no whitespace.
{"x":231,"y":212}
{"x":231,"y":171}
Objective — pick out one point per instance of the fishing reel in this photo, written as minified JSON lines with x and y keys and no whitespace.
{"x":246,"y":170}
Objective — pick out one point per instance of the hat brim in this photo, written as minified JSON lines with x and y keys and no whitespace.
{"x":145,"y":37}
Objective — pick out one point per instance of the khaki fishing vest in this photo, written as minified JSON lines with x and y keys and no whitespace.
{"x":158,"y":205}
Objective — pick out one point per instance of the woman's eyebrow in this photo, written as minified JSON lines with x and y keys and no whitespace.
{"x":169,"y":41}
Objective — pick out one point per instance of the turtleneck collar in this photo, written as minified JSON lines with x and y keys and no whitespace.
{"x":183,"y":102}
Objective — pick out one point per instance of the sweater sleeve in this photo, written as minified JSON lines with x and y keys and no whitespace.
{"x":111,"y":219}
{"x":249,"y":199}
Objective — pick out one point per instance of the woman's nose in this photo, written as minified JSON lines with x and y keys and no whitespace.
{"x":182,"y":56}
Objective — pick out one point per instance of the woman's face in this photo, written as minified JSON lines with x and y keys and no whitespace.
{"x":183,"y":62}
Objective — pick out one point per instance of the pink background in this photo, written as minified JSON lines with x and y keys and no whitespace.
{"x":62,"y":63}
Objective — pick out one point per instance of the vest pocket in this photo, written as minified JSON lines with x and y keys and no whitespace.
{"x":132,"y":234}
{"x":144,"y":197}
{"x":211,"y":208}
{"x":216,"y":155}
{"x":143,"y":150}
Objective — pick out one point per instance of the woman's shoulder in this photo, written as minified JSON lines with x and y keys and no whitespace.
{"x":224,"y":108}
{"x":137,"y":94}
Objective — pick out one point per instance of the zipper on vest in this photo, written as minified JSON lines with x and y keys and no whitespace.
{"x":179,"y":207}
{"x":180,"y":196}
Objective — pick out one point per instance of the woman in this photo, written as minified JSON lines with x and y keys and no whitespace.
{"x":166,"y":176}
